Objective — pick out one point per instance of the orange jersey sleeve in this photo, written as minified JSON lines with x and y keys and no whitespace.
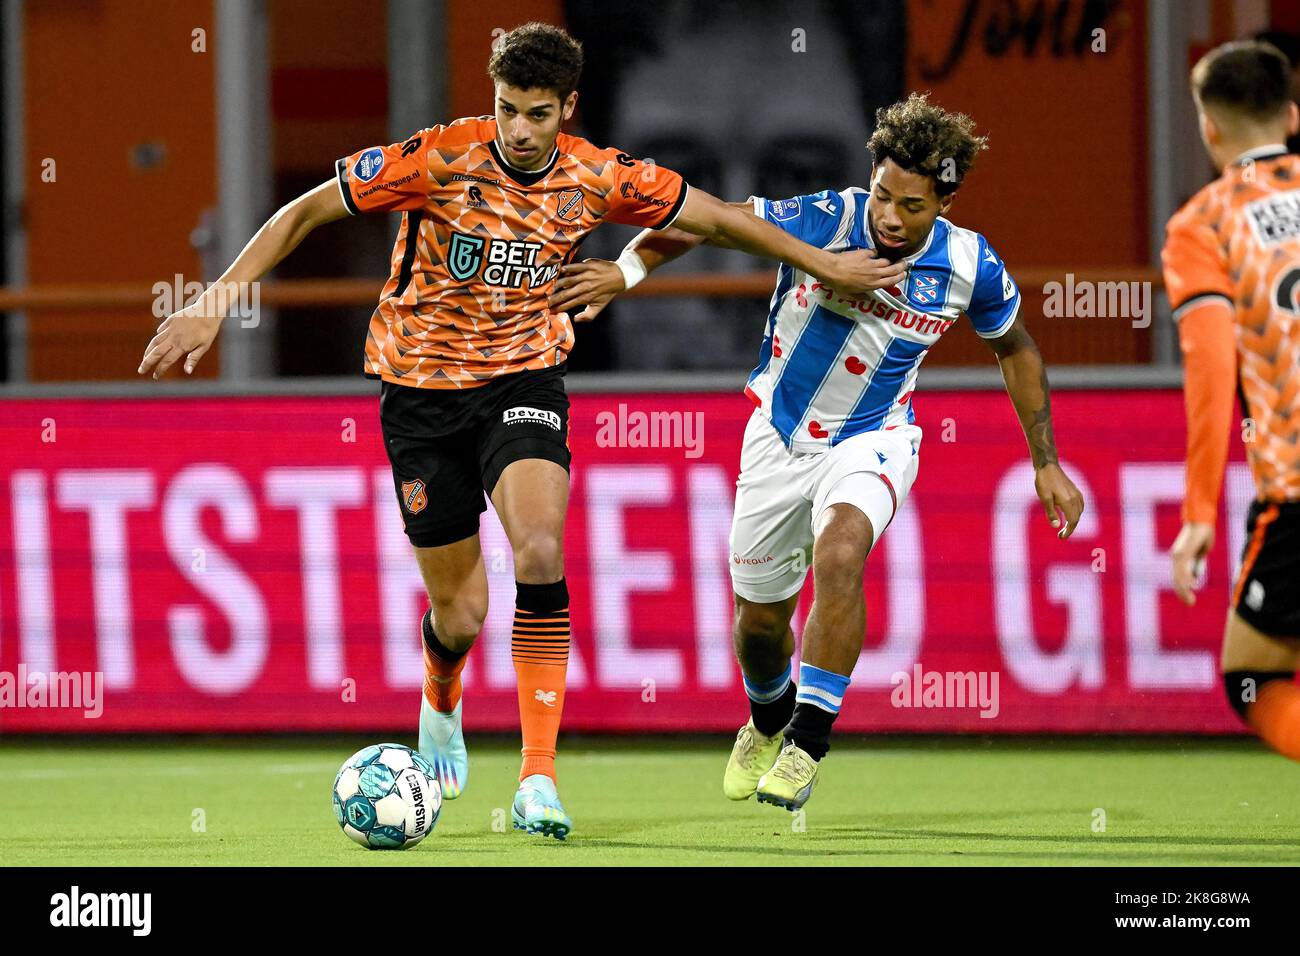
{"x":642,"y":193}
{"x":391,"y":178}
{"x":1200,"y":294}
{"x":1194,"y":264}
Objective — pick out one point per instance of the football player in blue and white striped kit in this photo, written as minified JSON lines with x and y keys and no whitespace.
{"x":832,"y":448}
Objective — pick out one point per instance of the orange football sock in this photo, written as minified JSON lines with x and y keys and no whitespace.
{"x":441,"y":670}
{"x":1275,"y":716}
{"x":539,"y":647}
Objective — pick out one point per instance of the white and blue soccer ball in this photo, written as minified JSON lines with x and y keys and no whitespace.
{"x":387,"y":797}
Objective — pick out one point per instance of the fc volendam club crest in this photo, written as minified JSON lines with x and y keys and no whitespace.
{"x":414,"y":496}
{"x":569,"y":203}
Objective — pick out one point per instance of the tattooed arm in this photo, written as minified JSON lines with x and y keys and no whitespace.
{"x":1026,"y":381}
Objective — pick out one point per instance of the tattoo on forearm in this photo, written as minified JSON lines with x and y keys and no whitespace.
{"x":1038,"y":430}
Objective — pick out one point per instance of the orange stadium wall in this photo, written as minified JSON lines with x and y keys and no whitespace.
{"x":1063,"y":183}
{"x":105,"y":77}
{"x":117,"y":98}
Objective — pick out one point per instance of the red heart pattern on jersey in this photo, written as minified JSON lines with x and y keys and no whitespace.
{"x":855,"y":365}
{"x":776,"y":345}
{"x":815,"y":429}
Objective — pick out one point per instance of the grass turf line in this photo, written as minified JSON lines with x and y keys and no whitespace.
{"x":651,"y":801}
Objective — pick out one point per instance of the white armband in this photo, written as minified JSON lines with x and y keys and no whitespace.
{"x":633,"y":269}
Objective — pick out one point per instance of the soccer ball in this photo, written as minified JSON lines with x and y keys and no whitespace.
{"x":387,"y":797}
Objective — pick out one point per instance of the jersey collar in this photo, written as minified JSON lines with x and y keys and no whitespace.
{"x":521,"y":176}
{"x":1267,"y":151}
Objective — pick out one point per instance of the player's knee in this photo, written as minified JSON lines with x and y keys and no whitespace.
{"x":840,"y":550}
{"x":761,"y":624}
{"x":838,"y":564}
{"x":458,"y":621}
{"x":1242,"y":687}
{"x":539,"y":557}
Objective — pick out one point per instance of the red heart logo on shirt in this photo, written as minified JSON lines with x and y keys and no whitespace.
{"x":855,"y":365}
{"x":776,"y":345}
{"x":815,"y":429}
{"x":895,"y":290}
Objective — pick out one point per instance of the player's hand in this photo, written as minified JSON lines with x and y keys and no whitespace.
{"x":591,"y":283}
{"x":187,"y":333}
{"x":1059,"y":496}
{"x":1191,"y":546}
{"x":861,"y":271}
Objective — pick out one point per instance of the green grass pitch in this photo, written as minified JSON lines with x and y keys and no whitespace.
{"x":881,"y":801}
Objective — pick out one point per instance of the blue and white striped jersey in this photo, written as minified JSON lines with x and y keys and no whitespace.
{"x":831,"y":367}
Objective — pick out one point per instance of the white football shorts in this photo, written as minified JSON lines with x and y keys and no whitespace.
{"x":782,"y":500}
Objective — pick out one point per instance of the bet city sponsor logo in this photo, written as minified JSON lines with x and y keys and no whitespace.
{"x":959,"y":690}
{"x":660,"y":429}
{"x":72,"y":690}
{"x":497,"y":262}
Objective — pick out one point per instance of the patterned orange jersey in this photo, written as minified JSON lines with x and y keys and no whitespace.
{"x":481,"y":242}
{"x":1237,"y":242}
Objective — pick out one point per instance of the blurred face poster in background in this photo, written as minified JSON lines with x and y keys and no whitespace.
{"x":753,"y":98}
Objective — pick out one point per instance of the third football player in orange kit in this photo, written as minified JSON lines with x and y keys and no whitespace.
{"x":471,"y":360}
{"x":1232,"y":269}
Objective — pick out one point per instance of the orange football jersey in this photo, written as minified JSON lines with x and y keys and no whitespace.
{"x":481,"y":242}
{"x":1237,"y":242}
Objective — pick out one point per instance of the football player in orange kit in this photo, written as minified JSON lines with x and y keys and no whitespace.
{"x":472,"y":360}
{"x":1232,"y":269}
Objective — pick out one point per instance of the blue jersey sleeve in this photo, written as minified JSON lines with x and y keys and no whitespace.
{"x":814,"y":218}
{"x":995,"y":299}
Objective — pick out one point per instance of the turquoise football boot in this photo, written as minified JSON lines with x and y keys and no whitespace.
{"x":537,"y":808}
{"x":442,"y":743}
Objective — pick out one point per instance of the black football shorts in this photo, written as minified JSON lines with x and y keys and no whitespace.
{"x":448,"y":446}
{"x":1267,"y":594}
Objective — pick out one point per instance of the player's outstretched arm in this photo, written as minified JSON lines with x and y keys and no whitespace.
{"x":736,"y":227}
{"x":593,"y":283}
{"x":1026,"y":381}
{"x":190,"y":331}
{"x":705,"y":218}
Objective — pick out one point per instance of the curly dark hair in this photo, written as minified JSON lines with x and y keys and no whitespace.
{"x":537,"y":56}
{"x":927,"y":139}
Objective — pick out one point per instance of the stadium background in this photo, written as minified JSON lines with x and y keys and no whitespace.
{"x":226,"y":551}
